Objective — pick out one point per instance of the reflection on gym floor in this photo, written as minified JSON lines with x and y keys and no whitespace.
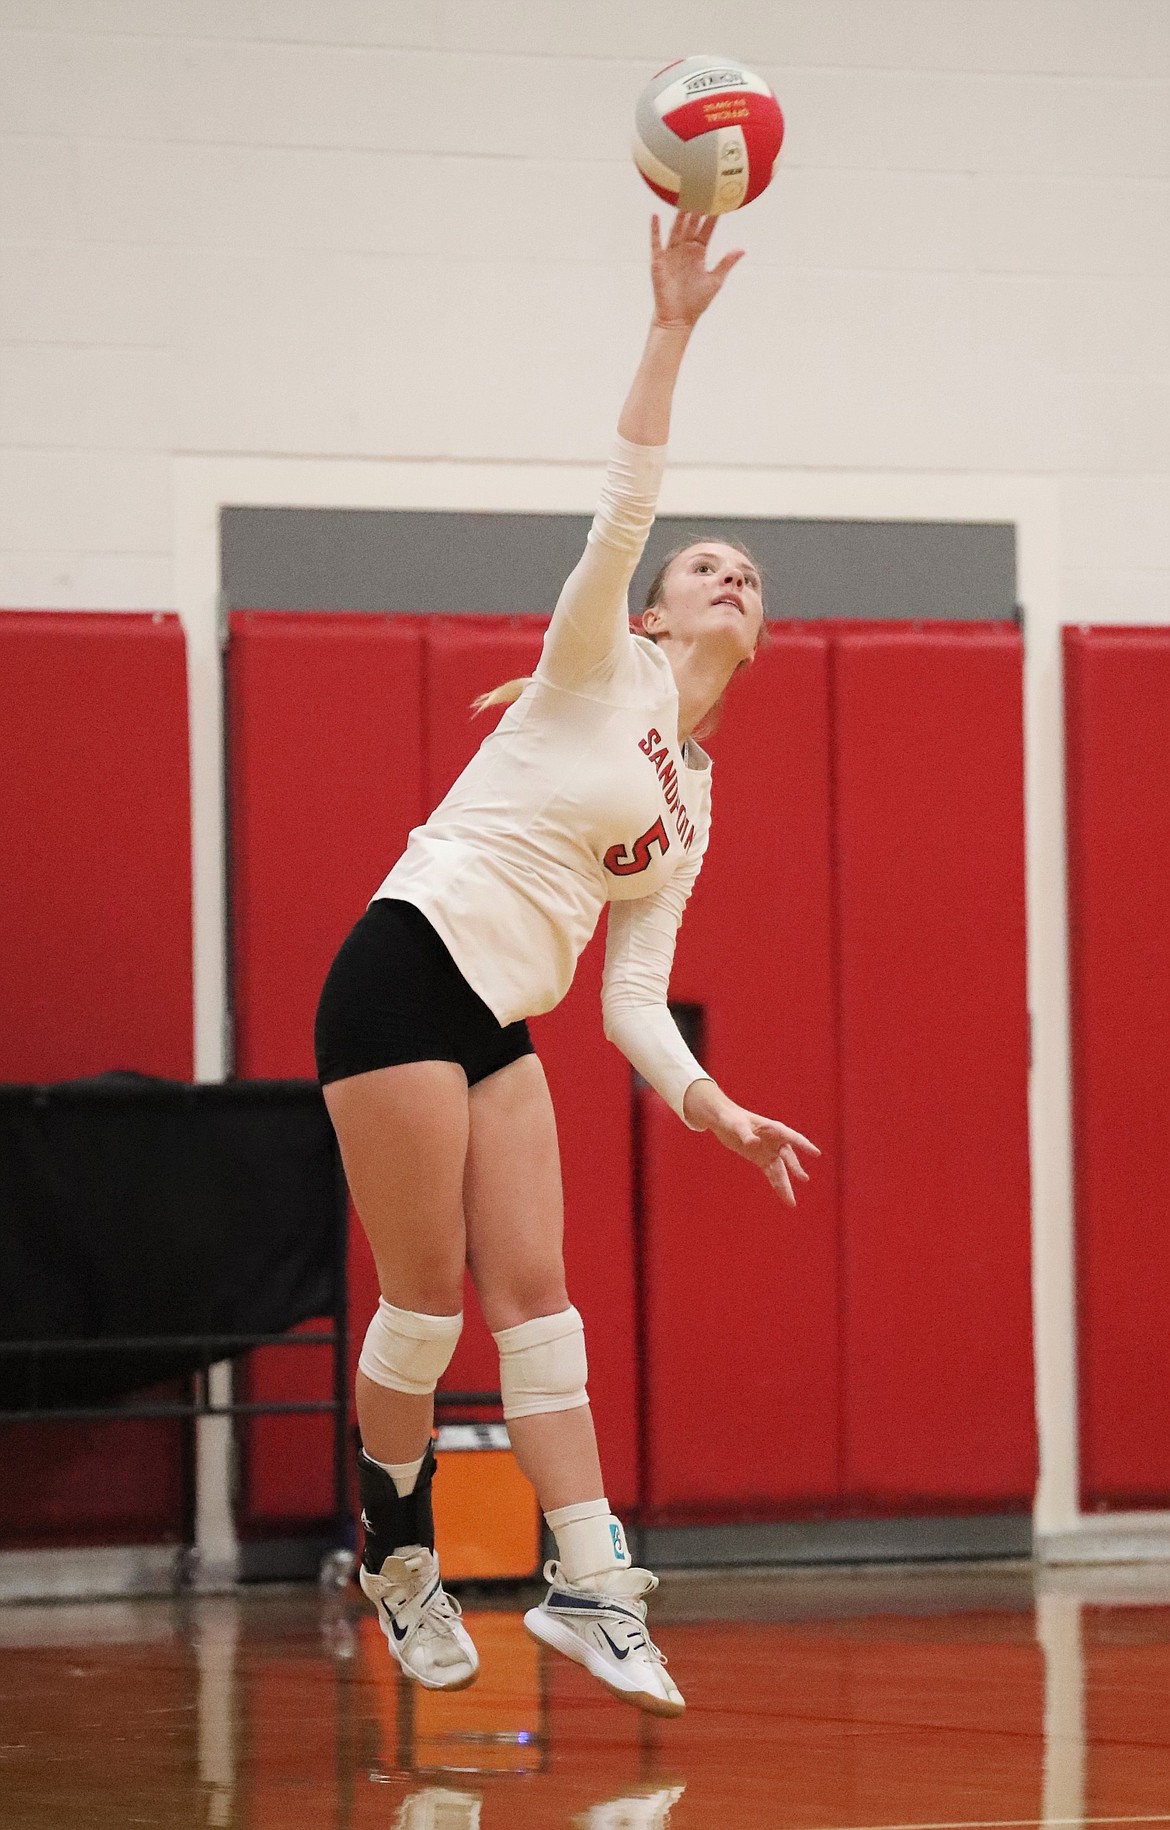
{"x":957,"y":1695}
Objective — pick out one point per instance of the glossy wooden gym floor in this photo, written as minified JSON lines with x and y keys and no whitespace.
{"x":956,"y":1696}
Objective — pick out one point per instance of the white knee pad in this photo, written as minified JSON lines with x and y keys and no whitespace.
{"x":407,"y":1351}
{"x":543,"y":1365}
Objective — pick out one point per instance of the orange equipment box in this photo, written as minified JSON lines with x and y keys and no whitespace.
{"x":487,"y":1523}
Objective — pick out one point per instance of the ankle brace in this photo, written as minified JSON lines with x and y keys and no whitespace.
{"x":590,"y":1542}
{"x":391,"y":1520}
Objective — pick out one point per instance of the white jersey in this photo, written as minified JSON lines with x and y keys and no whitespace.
{"x":579,"y":798}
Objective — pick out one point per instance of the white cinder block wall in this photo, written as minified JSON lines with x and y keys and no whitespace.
{"x":357,"y":228}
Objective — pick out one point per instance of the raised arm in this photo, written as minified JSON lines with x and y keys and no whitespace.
{"x":590,"y":625}
{"x":683,"y":289}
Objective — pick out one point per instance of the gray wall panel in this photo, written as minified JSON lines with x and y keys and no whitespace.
{"x":381,"y":559}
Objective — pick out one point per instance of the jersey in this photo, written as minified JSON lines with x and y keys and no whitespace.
{"x":580,"y":798}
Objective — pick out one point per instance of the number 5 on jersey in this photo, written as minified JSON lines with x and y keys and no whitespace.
{"x":638,"y":858}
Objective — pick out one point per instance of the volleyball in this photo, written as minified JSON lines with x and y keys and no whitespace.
{"x":706,"y":134}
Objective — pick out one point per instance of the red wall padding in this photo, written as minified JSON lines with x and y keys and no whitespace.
{"x":95,"y":920}
{"x":325,"y":781}
{"x":741,"y":1292}
{"x":860,"y":913}
{"x":1117,"y":691}
{"x":588,"y":1078}
{"x":928,"y":761}
{"x":95,"y":938}
{"x":857,"y":946}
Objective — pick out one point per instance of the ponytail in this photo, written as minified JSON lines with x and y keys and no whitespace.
{"x":500,"y":695}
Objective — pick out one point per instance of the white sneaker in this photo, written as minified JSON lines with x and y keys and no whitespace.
{"x":607,"y":1634}
{"x":421,"y":1621}
{"x":647,"y":1808}
{"x":439,"y":1808}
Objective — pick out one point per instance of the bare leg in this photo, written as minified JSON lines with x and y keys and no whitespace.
{"x":403,"y":1137}
{"x":558,"y":1454}
{"x":514,"y":1205}
{"x":515,"y":1225}
{"x":403,"y":1134}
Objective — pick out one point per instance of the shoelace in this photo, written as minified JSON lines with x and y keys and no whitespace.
{"x":651,"y":1647}
{"x":444,"y":1606}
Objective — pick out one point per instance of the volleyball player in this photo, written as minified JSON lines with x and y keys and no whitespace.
{"x":592,"y":790}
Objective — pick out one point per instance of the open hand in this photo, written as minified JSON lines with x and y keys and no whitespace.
{"x":683,"y":284}
{"x":767,"y":1143}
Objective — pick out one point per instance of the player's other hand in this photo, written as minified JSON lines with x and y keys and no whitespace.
{"x":772,"y":1147}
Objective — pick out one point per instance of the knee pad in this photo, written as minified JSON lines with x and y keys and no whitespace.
{"x":543,"y":1365}
{"x":406,"y":1351}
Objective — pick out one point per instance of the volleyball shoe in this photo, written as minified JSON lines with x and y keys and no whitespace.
{"x":399,"y":1573}
{"x":645,"y":1808}
{"x":421,"y":1621}
{"x":440,"y":1808}
{"x":607,"y":1634}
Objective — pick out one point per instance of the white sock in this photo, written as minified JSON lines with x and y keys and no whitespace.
{"x":591,"y":1544}
{"x":402,"y":1473}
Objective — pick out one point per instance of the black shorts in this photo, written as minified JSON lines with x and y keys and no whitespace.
{"x":394,"y":994}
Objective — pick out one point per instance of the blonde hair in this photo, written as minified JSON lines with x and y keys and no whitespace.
{"x":510,"y":690}
{"x":505,"y":694}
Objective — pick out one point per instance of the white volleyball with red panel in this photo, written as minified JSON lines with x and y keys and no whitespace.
{"x":706,"y":134}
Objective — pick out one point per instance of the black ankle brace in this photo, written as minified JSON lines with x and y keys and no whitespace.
{"x":390,"y":1520}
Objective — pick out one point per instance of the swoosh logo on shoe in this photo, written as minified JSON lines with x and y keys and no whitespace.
{"x":399,"y":1633}
{"x":617,"y":1651}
